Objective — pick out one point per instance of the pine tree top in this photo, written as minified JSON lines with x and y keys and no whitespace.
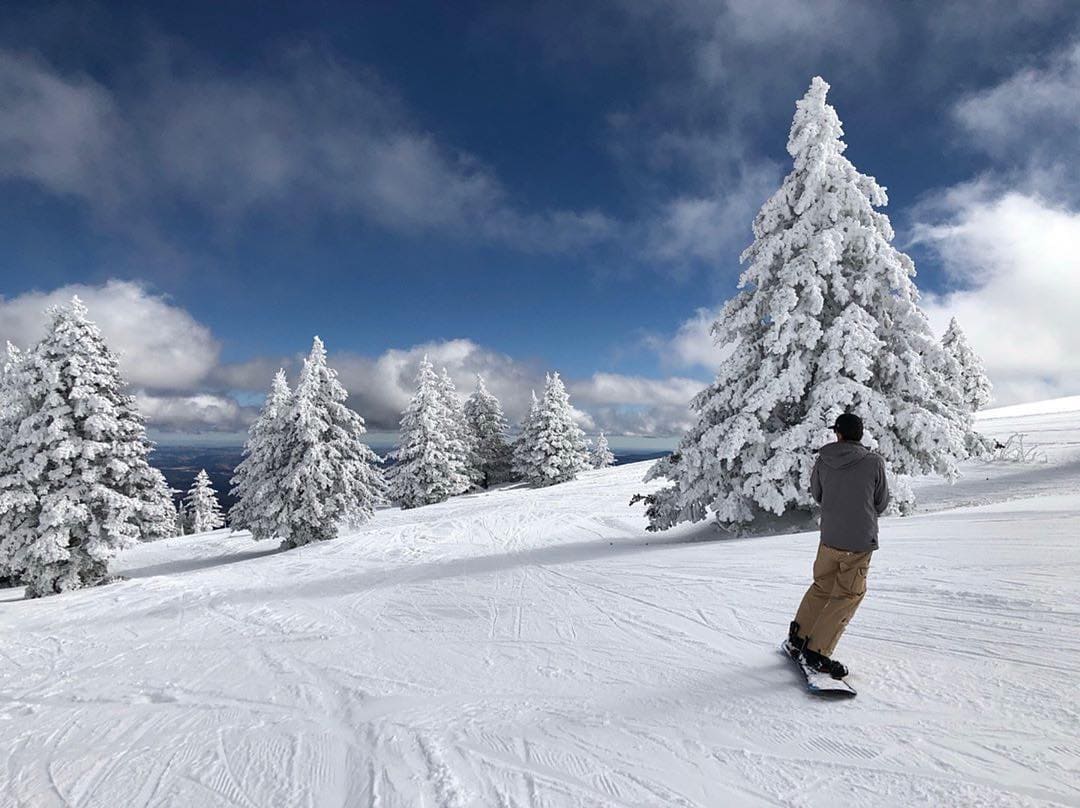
{"x":816,"y":130}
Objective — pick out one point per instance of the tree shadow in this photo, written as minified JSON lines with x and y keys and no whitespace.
{"x":442,"y":569}
{"x":12,"y":594}
{"x":192,"y":565}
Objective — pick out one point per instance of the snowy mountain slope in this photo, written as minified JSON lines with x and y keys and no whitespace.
{"x":1050,"y":428}
{"x":538,"y":648}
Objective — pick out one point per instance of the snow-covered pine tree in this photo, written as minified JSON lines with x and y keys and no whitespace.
{"x":488,"y":425}
{"x":463,"y":435}
{"x":965,"y":368}
{"x":521,"y":449}
{"x":15,"y":495}
{"x":601,"y":453}
{"x":967,"y":377}
{"x":202,"y":510}
{"x":430,"y":459}
{"x":257,"y":482}
{"x":158,"y":517}
{"x":554,"y":451}
{"x":827,"y":320}
{"x":76,"y":468}
{"x":329,"y":476}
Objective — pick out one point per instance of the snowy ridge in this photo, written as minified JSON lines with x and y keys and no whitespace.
{"x":536,"y":647}
{"x":1053,"y":406}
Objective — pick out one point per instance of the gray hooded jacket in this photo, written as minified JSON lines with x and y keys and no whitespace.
{"x":848,"y":481}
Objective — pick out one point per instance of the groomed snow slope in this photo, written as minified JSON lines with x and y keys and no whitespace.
{"x":538,"y":648}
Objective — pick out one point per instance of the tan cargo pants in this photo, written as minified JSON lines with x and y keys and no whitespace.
{"x":831,"y":601}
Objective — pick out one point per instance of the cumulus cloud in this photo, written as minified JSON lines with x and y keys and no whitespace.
{"x":1036,"y":102}
{"x":692,"y":346}
{"x":172,"y":363}
{"x":1028,"y":123}
{"x":196,"y":414}
{"x":312,"y":134}
{"x":615,"y":388}
{"x":160,"y":345}
{"x":1013,"y":260}
{"x":1009,"y":240}
{"x":53,"y":131}
{"x":635,"y":405}
{"x":713,"y":226}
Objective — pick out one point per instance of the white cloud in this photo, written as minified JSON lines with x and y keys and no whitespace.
{"x":714,"y":226}
{"x":171,"y":361}
{"x":310,"y":135}
{"x":615,"y":388}
{"x":1028,"y":124}
{"x":1014,"y":259}
{"x":1033,"y":105}
{"x":692,"y":346}
{"x":53,"y":131}
{"x":1009,"y":240}
{"x":634,"y":405}
{"x":160,"y":345}
{"x":200,"y":413}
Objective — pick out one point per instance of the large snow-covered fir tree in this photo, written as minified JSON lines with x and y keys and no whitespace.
{"x":256,"y":485}
{"x":75,"y":470}
{"x":487,"y":423}
{"x":431,"y":461}
{"x":827,"y":320}
{"x":202,"y":511}
{"x":965,"y":368}
{"x":328,"y":476}
{"x":601,"y":453}
{"x":552,"y":447}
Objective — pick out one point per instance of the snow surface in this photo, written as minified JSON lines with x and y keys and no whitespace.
{"x":1051,"y":406}
{"x":539,"y":648}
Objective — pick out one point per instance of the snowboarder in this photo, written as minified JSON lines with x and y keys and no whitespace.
{"x":848,"y":482}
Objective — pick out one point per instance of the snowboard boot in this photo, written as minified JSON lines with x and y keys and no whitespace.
{"x":822,"y":664}
{"x":795,"y":643}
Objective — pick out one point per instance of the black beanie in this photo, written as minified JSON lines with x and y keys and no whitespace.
{"x":850,"y":427}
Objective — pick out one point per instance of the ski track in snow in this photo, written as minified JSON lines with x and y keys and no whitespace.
{"x":527,"y":649}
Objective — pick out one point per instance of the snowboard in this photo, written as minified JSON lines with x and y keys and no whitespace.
{"x":820,"y":684}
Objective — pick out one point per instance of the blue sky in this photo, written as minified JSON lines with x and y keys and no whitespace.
{"x":512,"y":188}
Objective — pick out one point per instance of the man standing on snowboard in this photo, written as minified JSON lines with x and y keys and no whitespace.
{"x":848,"y":482}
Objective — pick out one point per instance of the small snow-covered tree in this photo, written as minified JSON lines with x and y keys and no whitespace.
{"x":76,"y":473}
{"x":202,"y":510}
{"x":256,"y":485}
{"x":969,"y":382}
{"x":965,"y":368}
{"x":430,"y":458}
{"x":158,"y":517}
{"x":328,"y":476}
{"x":827,"y":320}
{"x":488,"y":425}
{"x":521,"y":450}
{"x":458,"y":426}
{"x":601,"y":453}
{"x":553,"y":446}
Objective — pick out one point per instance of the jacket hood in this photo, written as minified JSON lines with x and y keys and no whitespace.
{"x":842,"y":454}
